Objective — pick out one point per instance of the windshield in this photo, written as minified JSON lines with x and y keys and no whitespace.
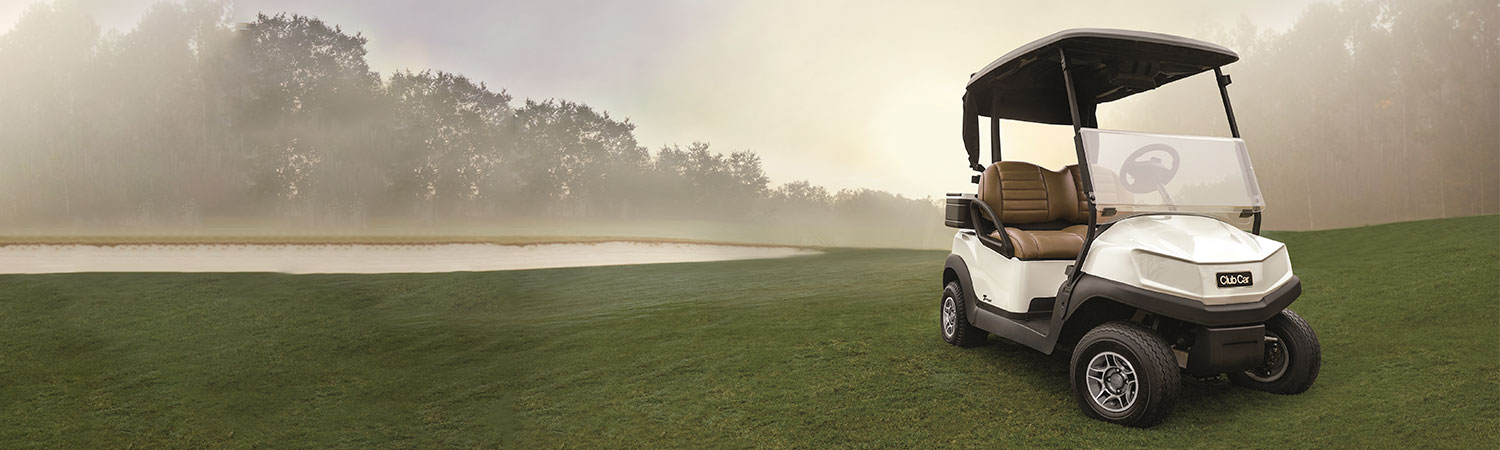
{"x":1137,"y":173}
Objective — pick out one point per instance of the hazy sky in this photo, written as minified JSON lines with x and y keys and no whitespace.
{"x":844,"y":94}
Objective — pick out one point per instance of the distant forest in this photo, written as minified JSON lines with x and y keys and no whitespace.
{"x":190,"y":115}
{"x":1362,"y":112}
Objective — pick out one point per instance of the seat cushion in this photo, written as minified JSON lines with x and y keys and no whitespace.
{"x":1081,"y":230}
{"x":1046,"y":244}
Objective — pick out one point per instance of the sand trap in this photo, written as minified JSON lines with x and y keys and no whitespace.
{"x":363,"y":258}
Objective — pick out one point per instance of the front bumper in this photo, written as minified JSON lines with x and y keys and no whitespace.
{"x":1228,"y":349}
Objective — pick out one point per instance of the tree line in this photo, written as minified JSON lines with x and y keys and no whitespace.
{"x":191,"y":115}
{"x":1362,"y":112}
{"x":1365,"y":111}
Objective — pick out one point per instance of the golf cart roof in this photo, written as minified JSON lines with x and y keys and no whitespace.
{"x":1027,"y":83}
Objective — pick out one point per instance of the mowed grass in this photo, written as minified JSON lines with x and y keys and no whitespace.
{"x":839,"y":349}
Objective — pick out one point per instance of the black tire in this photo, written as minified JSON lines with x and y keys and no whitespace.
{"x":961,"y":332}
{"x":1292,"y":360}
{"x":1149,"y":358}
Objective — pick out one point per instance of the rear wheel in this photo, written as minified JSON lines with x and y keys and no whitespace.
{"x":954,"y":320}
{"x":1293,"y":358}
{"x":1124,"y":373}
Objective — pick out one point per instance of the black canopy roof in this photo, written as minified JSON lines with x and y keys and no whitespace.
{"x":1107,"y":65}
{"x":1027,"y":83}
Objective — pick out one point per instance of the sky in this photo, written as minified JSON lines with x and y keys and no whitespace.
{"x":845,"y":94}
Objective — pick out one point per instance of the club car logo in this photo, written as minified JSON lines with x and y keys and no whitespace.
{"x":1235,"y":279}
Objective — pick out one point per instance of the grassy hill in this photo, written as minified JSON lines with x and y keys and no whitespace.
{"x":840,"y":349}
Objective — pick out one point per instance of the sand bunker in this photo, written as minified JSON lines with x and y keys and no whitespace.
{"x":363,"y":258}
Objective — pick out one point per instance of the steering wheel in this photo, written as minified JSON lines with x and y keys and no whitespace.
{"x":1144,"y":172}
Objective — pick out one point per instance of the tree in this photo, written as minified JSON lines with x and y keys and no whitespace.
{"x":449,"y":134}
{"x":726,"y":186}
{"x":569,"y":151}
{"x":311,"y":93}
{"x":45,"y":81}
{"x":151,"y":108}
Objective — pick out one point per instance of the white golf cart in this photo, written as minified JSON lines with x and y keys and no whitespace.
{"x":1134,"y":258}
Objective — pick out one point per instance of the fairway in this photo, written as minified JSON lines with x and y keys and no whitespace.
{"x":836,"y":349}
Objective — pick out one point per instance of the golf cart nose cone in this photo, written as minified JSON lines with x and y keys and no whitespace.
{"x":1192,"y":238}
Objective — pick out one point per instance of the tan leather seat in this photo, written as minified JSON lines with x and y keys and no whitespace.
{"x":1025,"y":194}
{"x":1046,"y":244}
{"x":1106,"y":188}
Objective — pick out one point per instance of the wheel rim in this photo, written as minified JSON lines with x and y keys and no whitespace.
{"x":1112,"y":382}
{"x":950,"y":316}
{"x":1276,"y":361}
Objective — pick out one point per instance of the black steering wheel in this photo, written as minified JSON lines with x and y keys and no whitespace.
{"x":1144,"y":172}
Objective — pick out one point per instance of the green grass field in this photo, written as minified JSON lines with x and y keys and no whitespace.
{"x":839,"y":349}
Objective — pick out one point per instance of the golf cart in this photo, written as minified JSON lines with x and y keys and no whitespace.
{"x":1135,"y":259}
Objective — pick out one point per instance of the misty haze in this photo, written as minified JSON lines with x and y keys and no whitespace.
{"x":203,"y":119}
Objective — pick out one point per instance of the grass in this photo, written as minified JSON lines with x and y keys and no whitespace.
{"x":839,"y":349}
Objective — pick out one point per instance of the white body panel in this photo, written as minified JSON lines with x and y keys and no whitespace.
{"x":1009,"y":284}
{"x":1178,"y":255}
{"x":1181,"y":254}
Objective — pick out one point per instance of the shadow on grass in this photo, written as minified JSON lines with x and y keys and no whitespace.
{"x":1201,"y":401}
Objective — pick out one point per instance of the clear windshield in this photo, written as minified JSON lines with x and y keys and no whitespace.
{"x":1143,"y":173}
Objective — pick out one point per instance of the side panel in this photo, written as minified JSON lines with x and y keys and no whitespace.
{"x":1007,"y":286}
{"x":1004,"y":283}
{"x":963,"y":253}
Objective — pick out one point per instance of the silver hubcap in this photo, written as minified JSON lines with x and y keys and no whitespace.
{"x":1112,"y":382}
{"x":950,"y":316}
{"x":1277,"y":360}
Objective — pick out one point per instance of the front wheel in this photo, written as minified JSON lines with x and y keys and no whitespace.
{"x":1125,"y":374}
{"x":1293,"y":358}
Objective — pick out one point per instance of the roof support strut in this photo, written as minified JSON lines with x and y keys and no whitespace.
{"x":1234,"y":128}
{"x":1083,"y":172}
{"x":971,"y":133}
{"x":995,"y":136}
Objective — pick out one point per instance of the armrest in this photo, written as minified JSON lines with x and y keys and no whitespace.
{"x":982,"y":230}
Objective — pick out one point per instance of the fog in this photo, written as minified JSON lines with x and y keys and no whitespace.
{"x":208,"y":118}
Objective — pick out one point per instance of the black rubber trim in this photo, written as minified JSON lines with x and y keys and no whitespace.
{"x":1192,"y":311}
{"x":961,"y":269}
{"x":996,"y":310}
{"x":1015,"y":330}
{"x":1041,"y":305}
{"x":1029,"y":315}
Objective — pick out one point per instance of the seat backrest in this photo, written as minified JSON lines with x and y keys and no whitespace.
{"x":1023,"y":193}
{"x":1079,"y":213}
{"x":1106,"y":187}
